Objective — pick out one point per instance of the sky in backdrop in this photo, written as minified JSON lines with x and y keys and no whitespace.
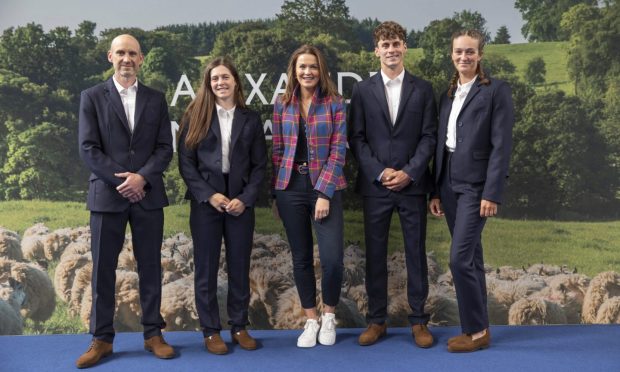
{"x":413,"y":14}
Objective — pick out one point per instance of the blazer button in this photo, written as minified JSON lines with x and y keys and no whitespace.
{"x":132,"y":152}
{"x":460,"y":123}
{"x":460,"y":140}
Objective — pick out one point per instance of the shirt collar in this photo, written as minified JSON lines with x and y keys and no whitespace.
{"x":464,"y":88}
{"x":221,"y":110}
{"x":397,"y":79}
{"x":120,"y":88}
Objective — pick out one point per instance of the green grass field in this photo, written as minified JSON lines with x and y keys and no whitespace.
{"x":553,"y":53}
{"x":591,"y":247}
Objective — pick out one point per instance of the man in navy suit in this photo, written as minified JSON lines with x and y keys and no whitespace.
{"x":126,"y":142}
{"x":392,"y":126}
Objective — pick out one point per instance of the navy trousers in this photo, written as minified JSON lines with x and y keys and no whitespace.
{"x":296,"y":208}
{"x":461,"y":204}
{"x":377,"y":217}
{"x":107,"y":238}
{"x":208,"y":226}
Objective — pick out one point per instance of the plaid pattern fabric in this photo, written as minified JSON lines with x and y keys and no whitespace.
{"x":327,"y":137}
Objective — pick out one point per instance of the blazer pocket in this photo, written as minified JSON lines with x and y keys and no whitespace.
{"x":480,"y":155}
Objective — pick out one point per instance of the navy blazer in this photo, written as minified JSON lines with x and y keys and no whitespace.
{"x":201,"y":167}
{"x":107,"y":145}
{"x":483,"y":138}
{"x":407,"y":145}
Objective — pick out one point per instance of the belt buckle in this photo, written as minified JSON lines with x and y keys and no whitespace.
{"x":302,"y":168}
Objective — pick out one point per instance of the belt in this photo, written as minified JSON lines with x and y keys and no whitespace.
{"x":301,"y":168}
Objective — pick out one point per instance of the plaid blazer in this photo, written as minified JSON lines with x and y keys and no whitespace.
{"x":327,"y":138}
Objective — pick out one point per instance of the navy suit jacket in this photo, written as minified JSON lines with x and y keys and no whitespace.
{"x":201,"y":167}
{"x":107,"y":145}
{"x":483,"y":138}
{"x":407,"y":145}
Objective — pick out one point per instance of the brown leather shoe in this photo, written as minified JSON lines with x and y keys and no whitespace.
{"x":372,"y":334}
{"x":244,"y":340}
{"x":98,"y":349}
{"x":215,"y":344}
{"x":422,"y":336}
{"x":159,"y":347}
{"x":467,"y":344}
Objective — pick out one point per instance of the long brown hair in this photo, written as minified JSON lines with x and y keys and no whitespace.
{"x":327,"y":86}
{"x":198,"y":115}
{"x":476,"y":35}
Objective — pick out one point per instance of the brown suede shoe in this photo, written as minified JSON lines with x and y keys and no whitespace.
{"x":372,"y":334}
{"x":458,"y":338}
{"x":244,"y":340}
{"x":215,"y":344}
{"x":463,"y":337}
{"x":98,"y":349}
{"x":159,"y":347}
{"x":422,"y":336}
{"x":467,"y":344}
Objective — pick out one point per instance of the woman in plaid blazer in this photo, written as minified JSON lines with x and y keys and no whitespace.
{"x":309,"y":146}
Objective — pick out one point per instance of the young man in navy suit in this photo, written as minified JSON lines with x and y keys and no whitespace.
{"x":126,"y":142}
{"x":392,"y":129}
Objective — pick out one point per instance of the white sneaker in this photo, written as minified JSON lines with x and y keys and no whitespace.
{"x":308,"y":337}
{"x":327,"y":334}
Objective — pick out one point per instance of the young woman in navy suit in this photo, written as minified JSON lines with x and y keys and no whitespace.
{"x":471,"y":165}
{"x":222,"y":159}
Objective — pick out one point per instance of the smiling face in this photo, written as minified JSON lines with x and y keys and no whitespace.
{"x":307,"y":71}
{"x":126,"y":57}
{"x":466,"y":56}
{"x":391,"y":52}
{"x":223,"y":84}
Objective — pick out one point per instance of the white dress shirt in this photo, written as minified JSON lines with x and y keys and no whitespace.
{"x":457,"y":104}
{"x":226,"y":119}
{"x":393,"y":87}
{"x":128,"y":97}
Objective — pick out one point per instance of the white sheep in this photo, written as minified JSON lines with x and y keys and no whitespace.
{"x":535,"y":311}
{"x":65,"y":273}
{"x":603,"y":287}
{"x":10,"y":245}
{"x":12,"y":297}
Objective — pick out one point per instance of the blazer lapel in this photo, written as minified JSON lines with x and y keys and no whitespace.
{"x":237,"y":126}
{"x":379,"y":91}
{"x":475,"y":89}
{"x":405,"y":93}
{"x":115,"y":101}
{"x":142,"y":97}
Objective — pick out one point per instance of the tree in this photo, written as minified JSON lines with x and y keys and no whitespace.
{"x":502,"y":36}
{"x":535,"y":71}
{"x":559,"y":166}
{"x":473,"y":21}
{"x":542,"y":18}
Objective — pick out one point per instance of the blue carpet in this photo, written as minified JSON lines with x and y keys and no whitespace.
{"x":514,"y":348}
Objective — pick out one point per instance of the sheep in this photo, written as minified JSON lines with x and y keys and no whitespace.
{"x":602,"y":287}
{"x":10,"y":245}
{"x":508,"y":273}
{"x":535,"y":311}
{"x":40,"y":302}
{"x":55,"y":243}
{"x":265,"y":287}
{"x":127,"y":311}
{"x":609,"y":312}
{"x":442,"y":307}
{"x":79,"y":247}
{"x":178,"y":306}
{"x":81,"y":283}
{"x":358,"y":295}
{"x":12,"y":297}
{"x":568,"y":291}
{"x":65,"y":273}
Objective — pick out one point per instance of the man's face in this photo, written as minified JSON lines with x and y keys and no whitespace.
{"x":391,"y":52}
{"x":126,"y":57}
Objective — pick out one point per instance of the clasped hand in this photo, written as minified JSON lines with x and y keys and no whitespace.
{"x":133,"y":186}
{"x":395,"y":180}
{"x":222,"y":204}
